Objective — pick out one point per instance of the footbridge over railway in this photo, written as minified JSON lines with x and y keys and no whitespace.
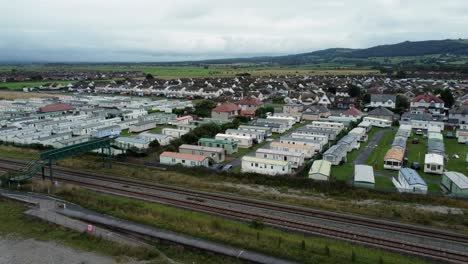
{"x":48,"y":158}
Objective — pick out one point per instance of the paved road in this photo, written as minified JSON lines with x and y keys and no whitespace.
{"x":364,"y":154}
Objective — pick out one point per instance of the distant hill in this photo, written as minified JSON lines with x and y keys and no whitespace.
{"x":404,"y":49}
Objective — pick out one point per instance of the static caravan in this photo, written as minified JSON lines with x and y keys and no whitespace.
{"x":339,"y":126}
{"x":393,"y":159}
{"x":265,"y":130}
{"x":335,"y":154}
{"x":316,"y":144}
{"x":242,"y":141}
{"x":265,"y":166}
{"x":462,"y":136}
{"x":275,"y":126}
{"x":434,"y":163}
{"x":296,"y":159}
{"x":456,"y":183}
{"x":321,"y":138}
{"x":259,"y":137}
{"x":409,"y":181}
{"x":110,"y":131}
{"x":307,"y":151}
{"x":216,"y":154}
{"x":229,"y":147}
{"x":399,"y":142}
{"x":350,"y":142}
{"x":364,"y":176}
{"x":435,"y":146}
{"x":163,"y":140}
{"x":142,"y":126}
{"x":186,"y":160}
{"x":288,"y":119}
{"x":328,"y":132}
{"x":378,"y":122}
{"x":128,"y":142}
{"x":367,"y":125}
{"x":320,"y":170}
{"x":173,"y":132}
{"x":360,"y":132}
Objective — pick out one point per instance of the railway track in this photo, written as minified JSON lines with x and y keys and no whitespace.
{"x":310,"y":228}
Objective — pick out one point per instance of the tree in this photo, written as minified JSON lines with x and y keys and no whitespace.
{"x":262,"y":111}
{"x":401,"y":74}
{"x":154,"y":144}
{"x":447,"y":96}
{"x":149,"y":76}
{"x":366,"y":98}
{"x":402,"y":103}
{"x":354,"y":90}
{"x":204,"y":107}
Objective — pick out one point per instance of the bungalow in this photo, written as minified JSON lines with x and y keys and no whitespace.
{"x":456,"y":183}
{"x":225,"y":111}
{"x":307,"y":151}
{"x":352,"y":113}
{"x":216,"y":154}
{"x":434,"y":163}
{"x":409,"y":181}
{"x":175,"y":133}
{"x":265,"y":166}
{"x":242,"y":141}
{"x":378,"y":122}
{"x":295,"y":159}
{"x":364,"y":176}
{"x":249,"y":104}
{"x":229,"y":147}
{"x":335,"y":154}
{"x":186,"y":160}
{"x":320,"y":170}
{"x":381,"y":113}
{"x":383,"y":100}
{"x":163,"y":140}
{"x":393,"y":159}
{"x":142,"y":126}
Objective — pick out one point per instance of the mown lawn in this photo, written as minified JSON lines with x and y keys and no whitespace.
{"x":254,"y":236}
{"x":21,"y":85}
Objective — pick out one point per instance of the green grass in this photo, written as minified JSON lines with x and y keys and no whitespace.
{"x":377,"y":155}
{"x":13,"y":152}
{"x":21,"y":85}
{"x":14,"y":223}
{"x":383,"y":182}
{"x":158,"y":129}
{"x":301,"y":248}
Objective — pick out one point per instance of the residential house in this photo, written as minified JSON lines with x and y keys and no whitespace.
{"x":225,"y":111}
{"x":352,"y":112}
{"x":459,"y":113}
{"x":383,"y":100}
{"x":381,"y":113}
{"x":292,"y":108}
{"x":249,"y":104}
{"x":342,"y":102}
{"x":427,"y":103}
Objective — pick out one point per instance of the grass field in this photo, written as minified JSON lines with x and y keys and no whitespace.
{"x":11,"y":95}
{"x":301,"y":248}
{"x":21,"y":85}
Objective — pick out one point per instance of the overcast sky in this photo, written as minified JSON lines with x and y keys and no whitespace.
{"x":153,"y":30}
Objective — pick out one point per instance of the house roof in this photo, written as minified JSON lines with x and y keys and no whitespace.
{"x":249,"y":101}
{"x":383,"y":97}
{"x":56,"y":108}
{"x":352,"y":111}
{"x":380,"y":111}
{"x":427,"y":98}
{"x":226,"y":107}
{"x":459,"y":179}
{"x":321,"y":166}
{"x":364,"y":173}
{"x":394,"y":154}
{"x":177,"y":155}
{"x":411,"y":176}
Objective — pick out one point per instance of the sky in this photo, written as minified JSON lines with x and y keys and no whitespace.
{"x":177,"y":30}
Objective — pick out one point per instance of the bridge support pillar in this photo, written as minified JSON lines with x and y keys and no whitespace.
{"x":51,"y":173}
{"x":43,"y":172}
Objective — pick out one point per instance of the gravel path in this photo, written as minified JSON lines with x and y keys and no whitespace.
{"x":13,"y":251}
{"x":362,"y":157}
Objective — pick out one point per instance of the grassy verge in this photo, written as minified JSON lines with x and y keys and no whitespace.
{"x":271,"y":241}
{"x":377,"y":155}
{"x":13,"y":222}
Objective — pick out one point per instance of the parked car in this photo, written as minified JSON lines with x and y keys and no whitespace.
{"x":415,"y":141}
{"x":228,"y":167}
{"x":415,"y":166}
{"x":218,"y":166}
{"x":419,"y":132}
{"x":449,"y":135}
